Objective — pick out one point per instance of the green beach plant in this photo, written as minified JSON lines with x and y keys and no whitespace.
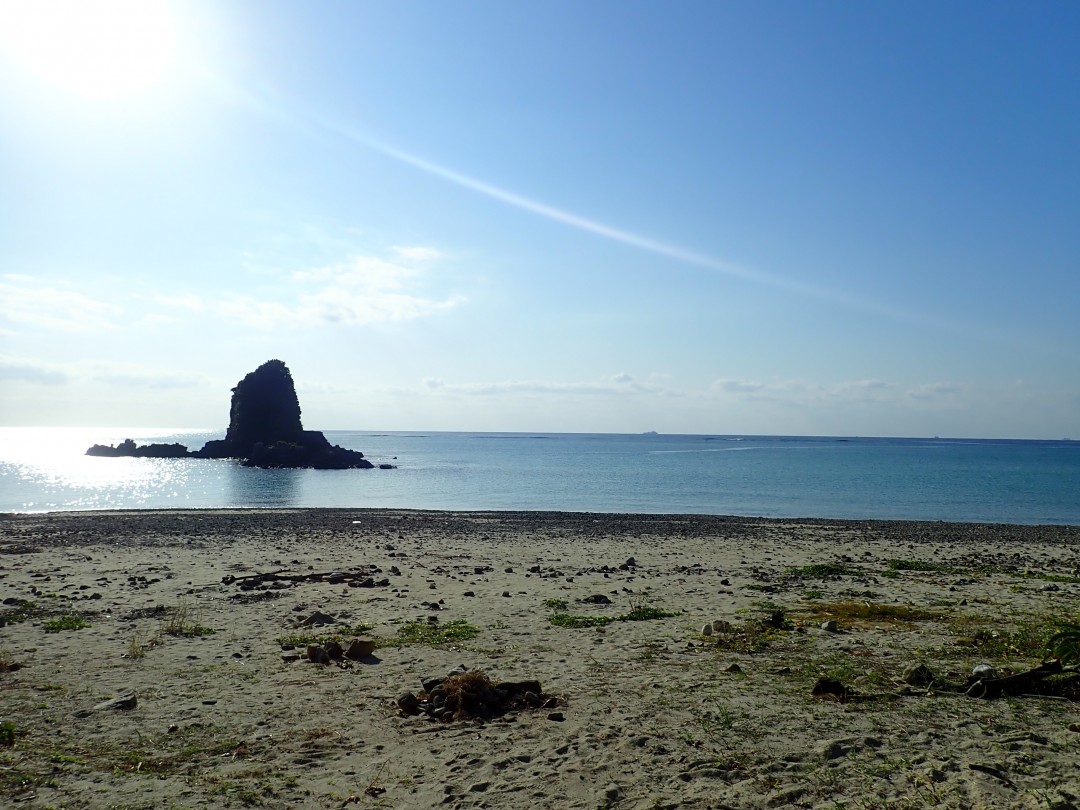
{"x":1065,"y":642}
{"x":637,"y":613}
{"x":69,"y":622}
{"x":823,"y":570}
{"x":181,"y":621}
{"x":431,"y":635}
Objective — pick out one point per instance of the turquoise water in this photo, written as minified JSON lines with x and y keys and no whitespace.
{"x":1024,"y":482}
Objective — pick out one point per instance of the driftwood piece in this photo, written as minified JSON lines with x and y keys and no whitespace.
{"x":358,"y":577}
{"x":1017,"y":684}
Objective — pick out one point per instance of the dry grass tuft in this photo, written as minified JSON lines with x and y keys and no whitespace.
{"x":852,"y":612}
{"x":469,"y":694}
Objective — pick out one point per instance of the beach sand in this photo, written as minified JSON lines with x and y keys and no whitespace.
{"x":638,"y":714}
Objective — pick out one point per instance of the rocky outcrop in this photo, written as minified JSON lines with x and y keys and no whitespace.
{"x":264,"y":430}
{"x":264,"y":411}
{"x":129,"y":448}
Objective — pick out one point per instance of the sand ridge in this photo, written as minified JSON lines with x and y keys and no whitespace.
{"x":653,"y":714}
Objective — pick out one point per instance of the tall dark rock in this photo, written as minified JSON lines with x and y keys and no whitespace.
{"x":264,"y":410}
{"x":264,"y":430}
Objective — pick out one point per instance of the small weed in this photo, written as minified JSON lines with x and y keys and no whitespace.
{"x":19,"y":611}
{"x":813,"y":594}
{"x":1065,"y":642}
{"x":70,"y":622}
{"x":637,"y":613}
{"x":824,"y":570}
{"x":1063,"y":578}
{"x":7,"y":734}
{"x":873,"y":613}
{"x":916,"y":565}
{"x":558,"y":605}
{"x":137,"y":647}
{"x":339,"y":635}
{"x":431,"y":634}
{"x":1028,"y":639}
{"x":181,"y":621}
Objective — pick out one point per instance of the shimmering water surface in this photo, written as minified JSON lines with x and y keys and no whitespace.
{"x":45,"y":469}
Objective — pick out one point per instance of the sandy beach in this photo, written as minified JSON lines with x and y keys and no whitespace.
{"x":160,"y":659}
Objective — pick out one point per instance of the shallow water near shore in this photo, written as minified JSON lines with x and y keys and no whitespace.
{"x":1021,"y":482}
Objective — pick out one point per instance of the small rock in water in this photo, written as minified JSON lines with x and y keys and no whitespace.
{"x":732,"y":667}
{"x":721,"y":626}
{"x":317,"y":655}
{"x":706,"y":629}
{"x":830,"y":626}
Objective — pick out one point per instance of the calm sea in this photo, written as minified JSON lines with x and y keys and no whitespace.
{"x":43,"y":469}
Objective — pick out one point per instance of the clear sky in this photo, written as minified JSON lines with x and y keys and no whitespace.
{"x":831,"y":218}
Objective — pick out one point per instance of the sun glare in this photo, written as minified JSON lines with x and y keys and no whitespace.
{"x":97,"y":49}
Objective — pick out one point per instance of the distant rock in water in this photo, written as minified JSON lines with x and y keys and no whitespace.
{"x":264,"y":430}
{"x":129,"y":448}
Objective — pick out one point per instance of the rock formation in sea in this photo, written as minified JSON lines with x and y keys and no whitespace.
{"x":264,"y":430}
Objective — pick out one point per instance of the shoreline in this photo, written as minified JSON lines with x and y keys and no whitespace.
{"x":649,"y":713}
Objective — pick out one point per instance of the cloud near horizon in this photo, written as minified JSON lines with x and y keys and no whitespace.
{"x":621,"y":384}
{"x":364,"y":290}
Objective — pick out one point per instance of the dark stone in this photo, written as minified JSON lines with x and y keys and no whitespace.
{"x":513,"y":688}
{"x":597,"y":599}
{"x":408,"y":703}
{"x":827,"y":687}
{"x":123,"y":702}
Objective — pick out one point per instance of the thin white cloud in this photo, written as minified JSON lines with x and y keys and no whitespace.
{"x":57,"y":307}
{"x":936,"y":391}
{"x":616,"y":385}
{"x":368,"y":272}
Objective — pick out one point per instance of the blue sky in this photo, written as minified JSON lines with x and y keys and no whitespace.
{"x":741,"y":217}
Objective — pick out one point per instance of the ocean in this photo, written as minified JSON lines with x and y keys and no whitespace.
{"x":966,"y":480}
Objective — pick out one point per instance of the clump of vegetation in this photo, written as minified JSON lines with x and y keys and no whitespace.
{"x":637,"y":613}
{"x":19,"y":610}
{"x":69,"y":622}
{"x":1065,"y":642}
{"x":873,"y":613}
{"x":916,"y":565}
{"x":181,"y":621}
{"x":756,"y":634}
{"x":823,"y":570}
{"x":558,"y":605}
{"x":1062,"y":578}
{"x":339,"y":635}
{"x":1029,"y":639}
{"x":7,"y":734}
{"x":431,"y":634}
